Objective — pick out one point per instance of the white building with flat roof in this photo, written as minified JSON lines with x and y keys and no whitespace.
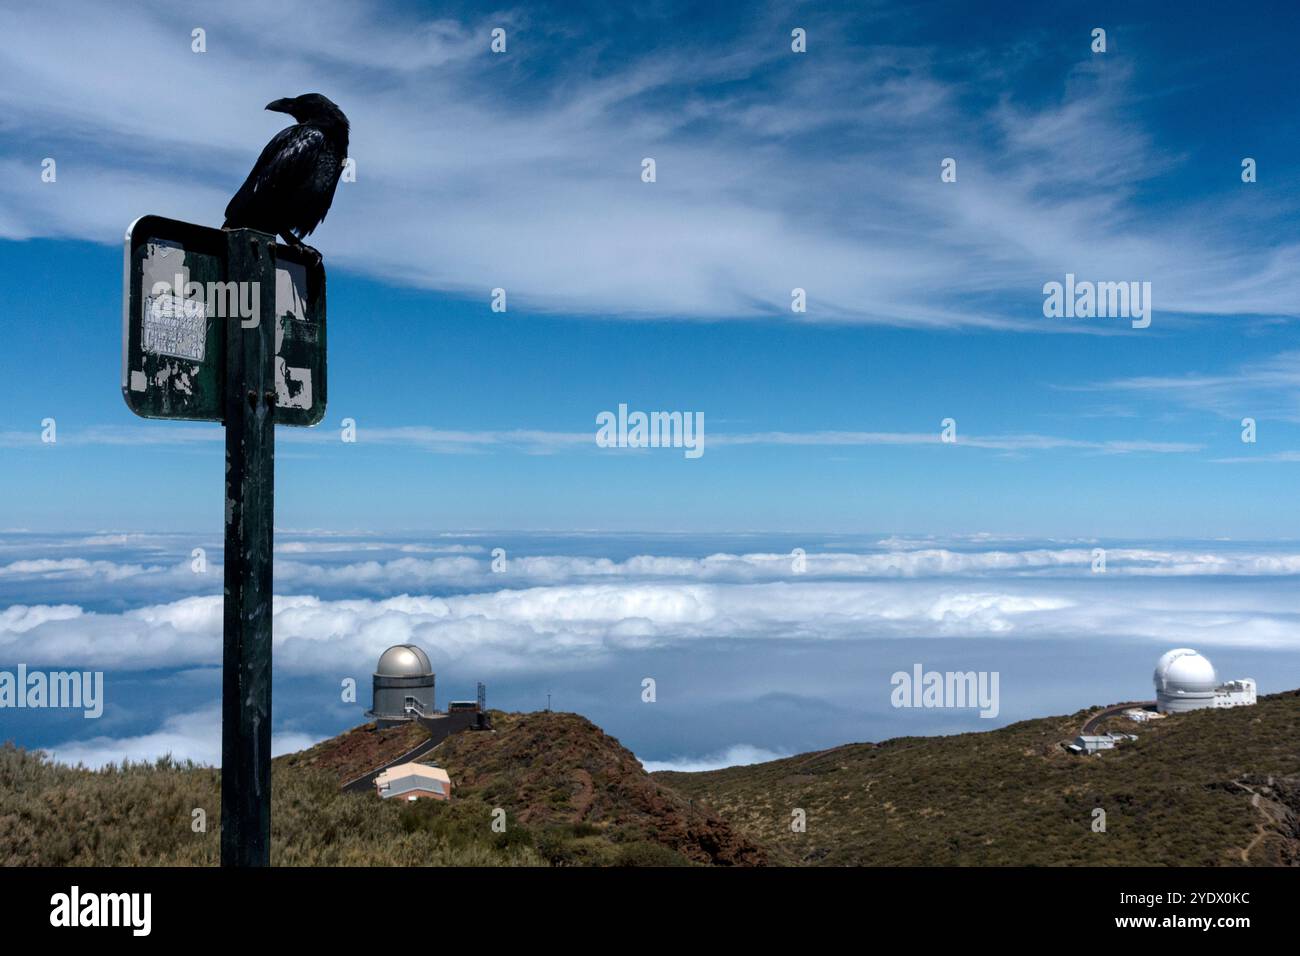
{"x":1093,"y":743}
{"x":414,"y":781}
{"x":1235,"y":693}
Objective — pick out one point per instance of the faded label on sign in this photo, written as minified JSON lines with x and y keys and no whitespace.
{"x":175,"y":327}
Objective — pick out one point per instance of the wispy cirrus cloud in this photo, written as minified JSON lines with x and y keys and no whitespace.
{"x":1264,"y":458}
{"x":469,"y":163}
{"x":1269,"y":388}
{"x":540,"y":441}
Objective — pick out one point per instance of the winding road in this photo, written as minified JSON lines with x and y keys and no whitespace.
{"x":1090,"y":725}
{"x":439,"y":728}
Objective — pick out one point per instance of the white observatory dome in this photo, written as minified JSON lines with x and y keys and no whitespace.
{"x":1185,"y":670}
{"x":403,"y":660}
{"x":1184,"y":681}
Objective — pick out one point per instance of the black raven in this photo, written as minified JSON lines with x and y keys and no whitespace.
{"x":292,"y":184}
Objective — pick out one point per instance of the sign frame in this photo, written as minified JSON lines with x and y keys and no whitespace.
{"x":177,"y":387}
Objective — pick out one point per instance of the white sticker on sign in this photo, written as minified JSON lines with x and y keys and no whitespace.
{"x":174,"y":326}
{"x":292,"y":385}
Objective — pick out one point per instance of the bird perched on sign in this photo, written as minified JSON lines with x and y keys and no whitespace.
{"x":292,"y":184}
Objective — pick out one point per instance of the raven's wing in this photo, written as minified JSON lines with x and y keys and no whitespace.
{"x":287,"y":161}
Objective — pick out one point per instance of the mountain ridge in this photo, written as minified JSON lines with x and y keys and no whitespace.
{"x":1210,"y":787}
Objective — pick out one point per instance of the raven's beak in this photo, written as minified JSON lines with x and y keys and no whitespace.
{"x":280,"y":106}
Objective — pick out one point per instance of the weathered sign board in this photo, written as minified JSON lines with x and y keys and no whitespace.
{"x":178,"y":294}
{"x":229,"y":326}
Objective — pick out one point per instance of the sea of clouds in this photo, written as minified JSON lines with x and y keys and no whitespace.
{"x":528,"y":610}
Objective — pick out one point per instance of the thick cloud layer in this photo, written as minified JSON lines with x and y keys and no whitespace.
{"x":133,"y":605}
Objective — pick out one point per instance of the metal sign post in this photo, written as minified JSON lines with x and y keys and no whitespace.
{"x":250,"y":508}
{"x":229,"y":326}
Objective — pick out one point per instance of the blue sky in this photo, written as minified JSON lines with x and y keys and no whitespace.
{"x":775,"y":170}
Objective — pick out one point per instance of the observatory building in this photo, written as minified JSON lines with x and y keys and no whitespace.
{"x":1187,"y":681}
{"x":403,"y":687}
{"x":414,"y":781}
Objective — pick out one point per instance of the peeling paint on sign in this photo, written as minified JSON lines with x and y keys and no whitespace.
{"x":292,"y":382}
{"x":174,"y":339}
{"x":174,"y":326}
{"x":171,"y":350}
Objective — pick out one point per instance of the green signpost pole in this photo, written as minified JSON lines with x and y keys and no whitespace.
{"x":227,"y":326}
{"x":249,"y":403}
